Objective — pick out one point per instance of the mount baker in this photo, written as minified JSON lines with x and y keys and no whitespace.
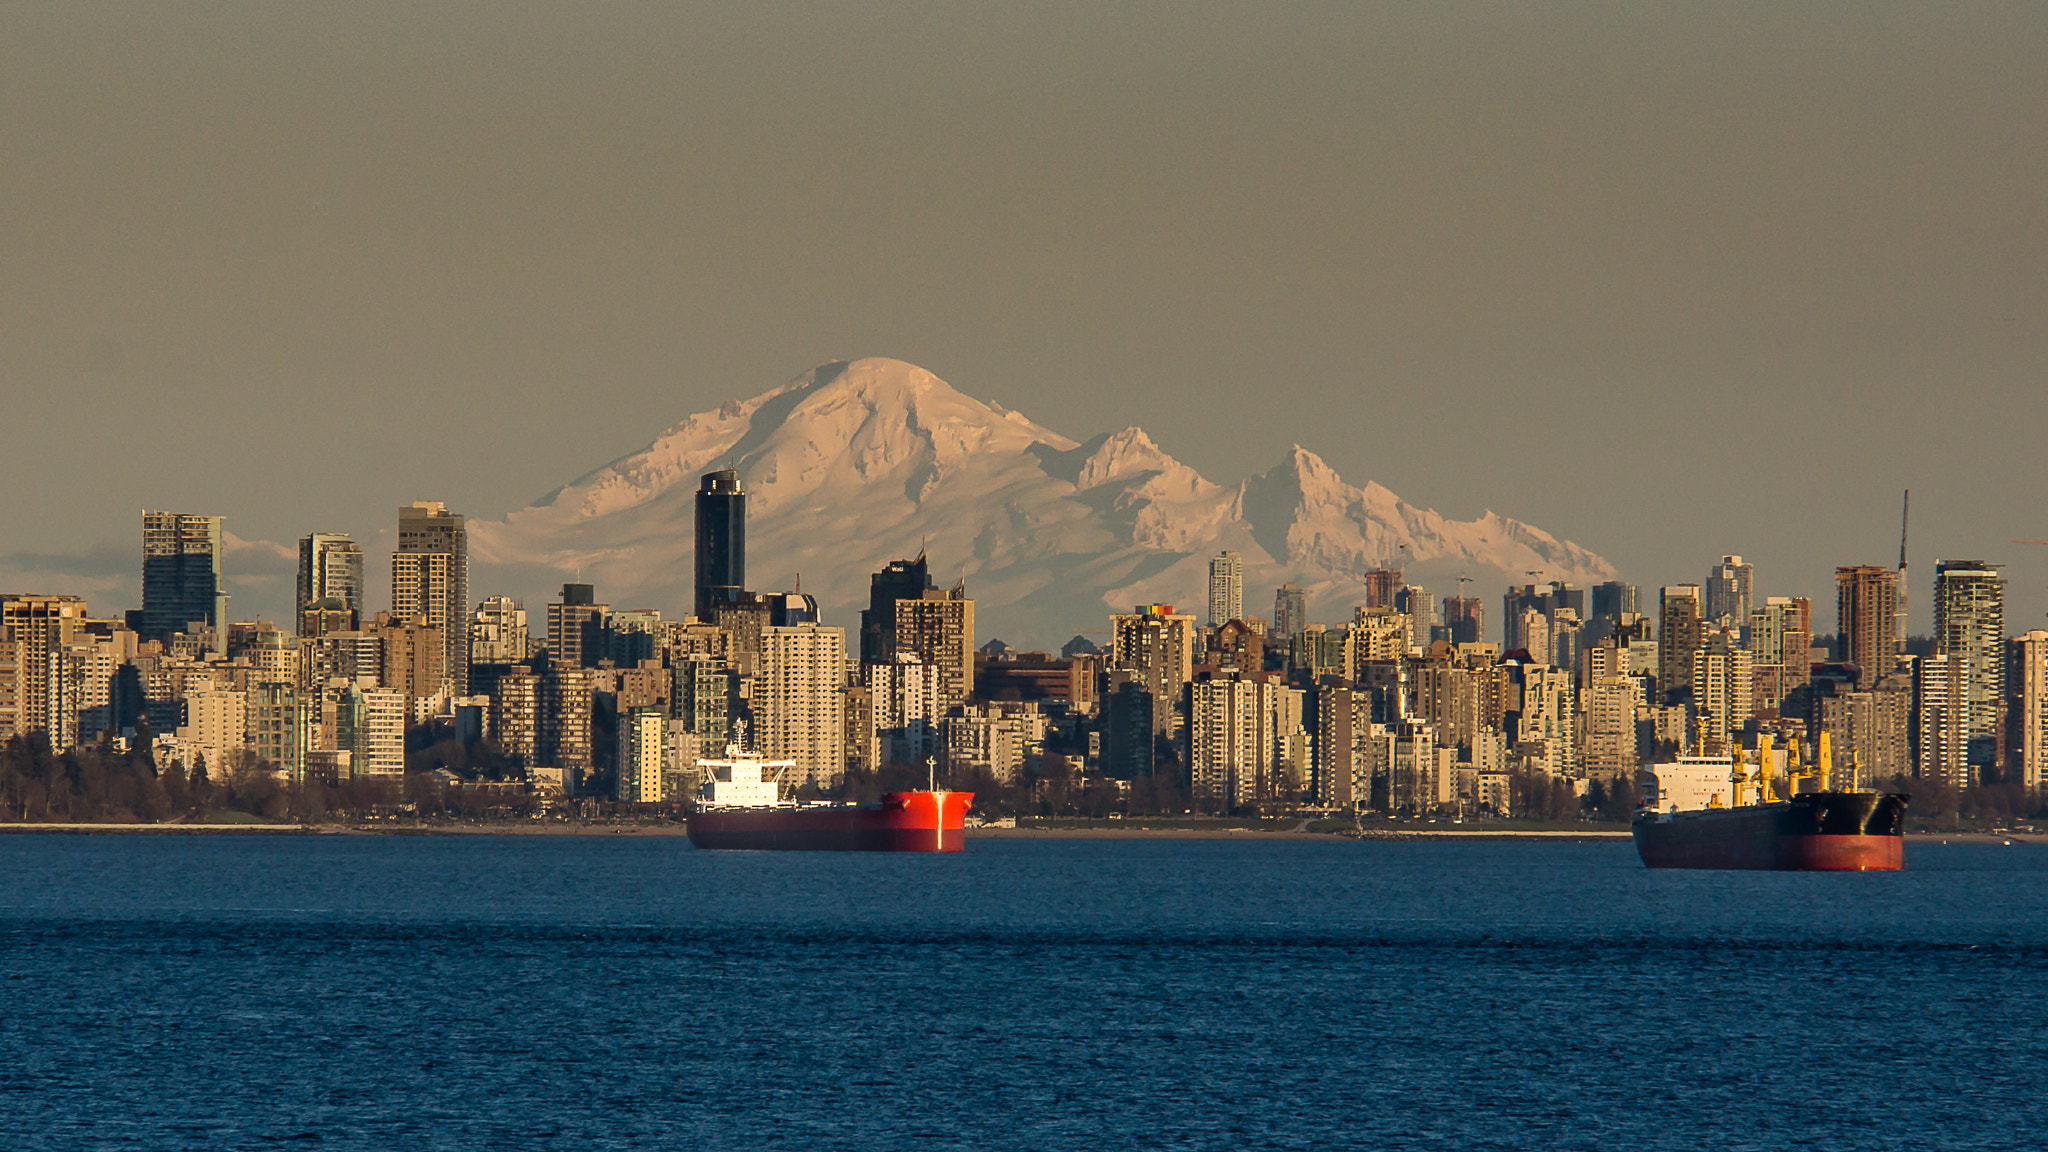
{"x":854,"y":464}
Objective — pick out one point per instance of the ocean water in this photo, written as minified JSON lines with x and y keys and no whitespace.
{"x":620,"y":992}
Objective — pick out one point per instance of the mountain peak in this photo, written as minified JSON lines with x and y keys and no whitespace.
{"x":859,"y":461}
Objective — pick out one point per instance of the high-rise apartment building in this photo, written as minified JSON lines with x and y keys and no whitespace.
{"x":1867,"y":612}
{"x":13,"y":685}
{"x":1230,"y":739}
{"x":1780,"y":636}
{"x":516,"y":701}
{"x":1226,"y":589}
{"x":1721,"y":686}
{"x":700,"y":699}
{"x":1157,"y":646}
{"x":1609,"y":707}
{"x":721,"y":541}
{"x":1290,"y":611}
{"x":410,"y":653}
{"x":1529,"y":632}
{"x":181,"y":576}
{"x":1419,"y":606}
{"x":2026,"y":753}
{"x":643,"y":745}
{"x":567,"y":707}
{"x":497,"y":632}
{"x":1350,"y":749}
{"x":38,"y":629}
{"x":1969,"y":627}
{"x":1940,"y":715}
{"x":330,"y":580}
{"x":370,"y":727}
{"x":1728,"y":586}
{"x":576,"y":628}
{"x":430,"y":583}
{"x":1681,"y":632}
{"x":904,"y":694}
{"x":800,"y":701}
{"x":938,"y":628}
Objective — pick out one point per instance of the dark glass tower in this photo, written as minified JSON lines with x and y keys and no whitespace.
{"x":899,"y":580}
{"x":721,"y":541}
{"x":181,"y":583}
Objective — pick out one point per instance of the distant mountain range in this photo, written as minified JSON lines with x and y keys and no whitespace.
{"x":855,"y":464}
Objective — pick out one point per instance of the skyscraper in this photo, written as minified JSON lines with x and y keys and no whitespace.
{"x":2026,"y":754}
{"x":800,"y":701}
{"x":1158,"y":648}
{"x":1381,"y":586}
{"x":181,"y":576}
{"x":1420,"y":607}
{"x":37,"y":630}
{"x":1939,"y":710}
{"x":1681,"y":633}
{"x":1611,"y":600}
{"x":1290,"y":611}
{"x":576,"y":628}
{"x":721,"y":541}
{"x":1464,"y":619}
{"x":497,"y":632}
{"x":938,"y":628}
{"x":1969,"y":628}
{"x":430,"y":581}
{"x":1544,"y":598}
{"x":1867,"y":611}
{"x":330,"y":569}
{"x":898,"y":580}
{"x":637,"y":770}
{"x":1226,"y":589}
{"x":1728,"y":591}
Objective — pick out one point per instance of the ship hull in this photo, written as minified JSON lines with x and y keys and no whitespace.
{"x":1814,"y":832}
{"x":901,"y":822}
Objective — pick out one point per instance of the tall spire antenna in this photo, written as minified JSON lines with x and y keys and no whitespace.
{"x":1905,"y":519}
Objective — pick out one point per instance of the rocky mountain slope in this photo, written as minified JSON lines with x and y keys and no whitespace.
{"x":854,"y":464}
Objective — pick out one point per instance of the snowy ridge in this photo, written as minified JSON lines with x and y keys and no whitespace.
{"x":854,"y":464}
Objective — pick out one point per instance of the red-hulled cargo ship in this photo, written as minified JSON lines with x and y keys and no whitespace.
{"x":1812,"y":832}
{"x":743,"y":808}
{"x":901,"y":822}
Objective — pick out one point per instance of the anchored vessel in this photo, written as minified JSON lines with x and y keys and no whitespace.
{"x":743,"y":808}
{"x":1817,"y":831}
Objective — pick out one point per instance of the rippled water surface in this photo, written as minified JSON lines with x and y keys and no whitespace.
{"x":617,"y":992}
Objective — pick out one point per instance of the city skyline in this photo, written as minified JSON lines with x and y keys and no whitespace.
{"x":262,"y":575}
{"x":1489,"y":258}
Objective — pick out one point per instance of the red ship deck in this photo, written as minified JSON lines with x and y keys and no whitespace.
{"x":901,"y":822}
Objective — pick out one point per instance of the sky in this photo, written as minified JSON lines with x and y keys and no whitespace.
{"x":1671,"y":281}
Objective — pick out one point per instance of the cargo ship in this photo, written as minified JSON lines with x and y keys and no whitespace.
{"x":1822,"y":830}
{"x":741,"y":807}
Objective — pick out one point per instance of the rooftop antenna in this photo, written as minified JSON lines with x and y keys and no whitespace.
{"x":1905,"y":519}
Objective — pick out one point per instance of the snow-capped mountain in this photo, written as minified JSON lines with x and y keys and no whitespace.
{"x":855,"y":464}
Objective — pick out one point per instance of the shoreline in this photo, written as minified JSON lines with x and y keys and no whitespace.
{"x":667,"y":830}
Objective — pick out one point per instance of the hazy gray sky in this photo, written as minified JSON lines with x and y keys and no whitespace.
{"x":1669,"y":280}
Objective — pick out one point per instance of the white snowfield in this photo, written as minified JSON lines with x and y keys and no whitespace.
{"x":855,"y":464}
